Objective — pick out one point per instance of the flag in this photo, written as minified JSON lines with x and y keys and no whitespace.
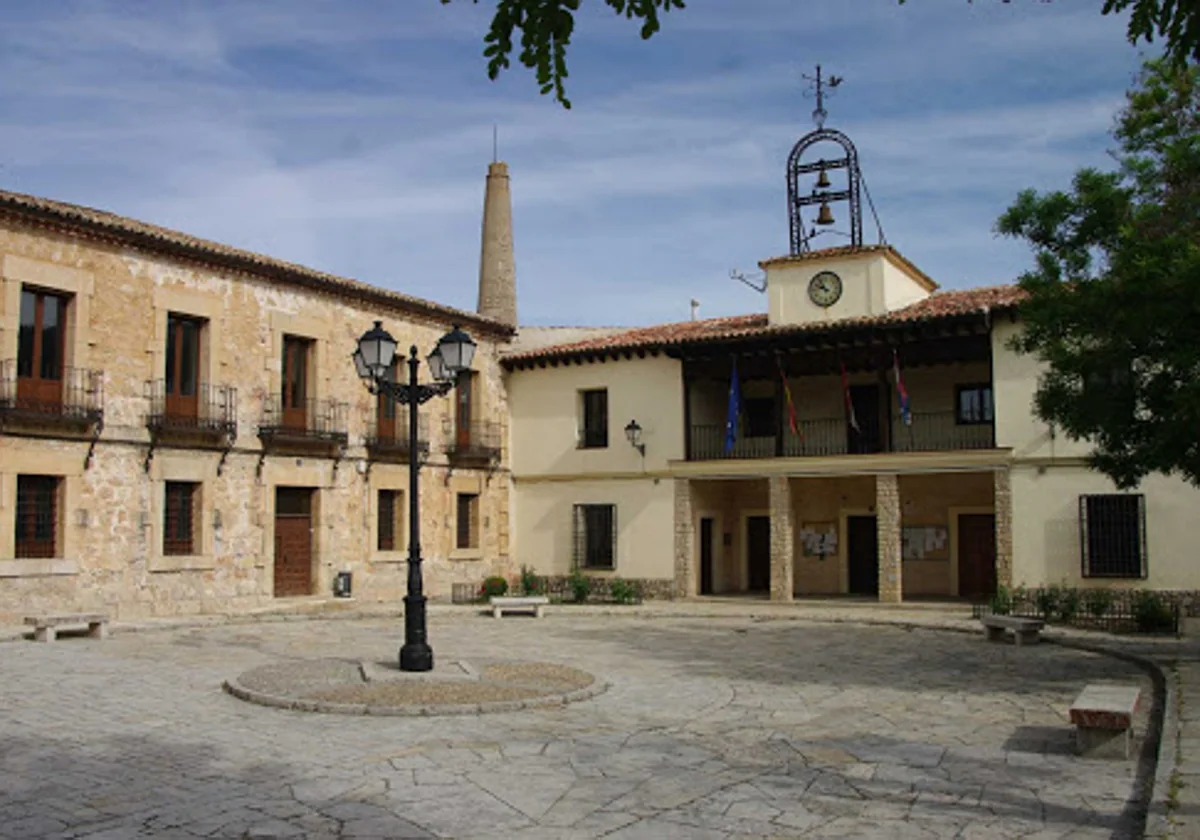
{"x":849,"y":402}
{"x":733,"y":411}
{"x":791,"y":407}
{"x":901,"y":391}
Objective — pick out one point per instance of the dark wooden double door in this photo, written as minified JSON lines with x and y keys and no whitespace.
{"x":293,"y":541}
{"x":976,"y":555}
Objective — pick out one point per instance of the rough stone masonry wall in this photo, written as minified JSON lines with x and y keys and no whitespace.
{"x":1002,"y":496}
{"x":887,"y":519}
{"x":684,"y":540}
{"x":110,"y":517}
{"x":783,"y":541}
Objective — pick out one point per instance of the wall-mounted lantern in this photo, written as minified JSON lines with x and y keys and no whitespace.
{"x":633,"y":432}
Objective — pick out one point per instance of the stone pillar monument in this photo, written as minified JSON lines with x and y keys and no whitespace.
{"x":783,"y":539}
{"x":497,"y":267}
{"x":887,"y":523}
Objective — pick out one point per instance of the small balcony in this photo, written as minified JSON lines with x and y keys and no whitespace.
{"x":69,"y":402}
{"x":387,"y":436}
{"x":208,"y":417}
{"x":306,"y":425}
{"x":476,"y":444}
{"x":927,"y":432}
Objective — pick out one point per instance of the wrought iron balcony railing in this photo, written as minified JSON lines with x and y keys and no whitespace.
{"x":387,"y":437}
{"x":75,"y":398}
{"x":476,"y":442}
{"x":211,"y":411}
{"x":307,"y":420}
{"x":927,"y":432}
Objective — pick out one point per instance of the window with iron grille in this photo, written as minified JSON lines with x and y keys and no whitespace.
{"x":37,"y":515}
{"x":1112,"y":534}
{"x":468,"y":520}
{"x":179,"y":517}
{"x":391,"y":502}
{"x":973,"y":405}
{"x":593,"y":431}
{"x":595,"y":536}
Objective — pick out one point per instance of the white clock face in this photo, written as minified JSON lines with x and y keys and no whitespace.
{"x":825,"y":288}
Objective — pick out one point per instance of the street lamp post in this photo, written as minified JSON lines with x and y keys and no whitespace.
{"x":373,"y":361}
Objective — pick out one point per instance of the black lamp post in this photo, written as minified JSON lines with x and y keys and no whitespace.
{"x":373,"y":361}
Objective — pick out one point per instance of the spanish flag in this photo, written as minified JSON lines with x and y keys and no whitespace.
{"x":791,"y":407}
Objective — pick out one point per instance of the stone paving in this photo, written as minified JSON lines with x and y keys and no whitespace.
{"x":712,"y":728}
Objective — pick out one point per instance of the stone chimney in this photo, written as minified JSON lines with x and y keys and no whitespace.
{"x":497,"y":268}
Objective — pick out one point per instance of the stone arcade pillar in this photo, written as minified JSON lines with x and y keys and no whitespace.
{"x":685,"y":540}
{"x":782,"y":537}
{"x":1002,"y":504}
{"x":887,"y":525}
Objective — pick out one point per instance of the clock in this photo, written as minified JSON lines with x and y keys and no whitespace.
{"x":825,"y":289}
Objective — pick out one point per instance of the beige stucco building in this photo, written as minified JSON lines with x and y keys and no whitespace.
{"x":182,"y":429}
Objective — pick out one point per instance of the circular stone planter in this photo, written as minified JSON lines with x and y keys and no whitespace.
{"x":350,"y":687}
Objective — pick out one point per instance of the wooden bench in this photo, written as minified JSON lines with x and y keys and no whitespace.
{"x":45,"y":627}
{"x":1103,"y":718}
{"x":528,"y":603}
{"x":1024,"y":630}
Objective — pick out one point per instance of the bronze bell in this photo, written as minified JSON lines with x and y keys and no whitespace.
{"x":823,"y":182}
{"x":824,"y":215}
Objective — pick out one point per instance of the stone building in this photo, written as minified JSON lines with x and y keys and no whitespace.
{"x":182,"y":429}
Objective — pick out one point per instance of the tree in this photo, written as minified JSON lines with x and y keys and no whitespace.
{"x":546,"y":27}
{"x":1113,"y":306}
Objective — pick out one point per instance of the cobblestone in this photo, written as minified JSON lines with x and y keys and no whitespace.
{"x":721,"y":727}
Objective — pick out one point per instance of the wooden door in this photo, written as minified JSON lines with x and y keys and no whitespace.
{"x":976,"y":555}
{"x":293,"y":541}
{"x":462,"y":410}
{"x":867,"y":438}
{"x":862,"y":553}
{"x":706,"y":555}
{"x":758,"y":553}
{"x":295,"y":382}
{"x":182,"y":384}
{"x":40,"y":348}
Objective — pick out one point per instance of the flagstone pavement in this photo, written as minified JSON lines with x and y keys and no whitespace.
{"x":712,"y":727}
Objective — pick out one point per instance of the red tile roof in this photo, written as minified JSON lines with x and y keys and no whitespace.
{"x":101,"y":224}
{"x":940,"y":305}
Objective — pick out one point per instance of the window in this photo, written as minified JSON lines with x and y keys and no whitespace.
{"x":183,"y":365}
{"x":40,"y":347}
{"x":391,"y":503}
{"x":594,"y":428}
{"x":468,"y":520}
{"x":760,"y":417}
{"x":295,"y":380}
{"x":388,"y":423}
{"x":37,"y":516}
{"x":595,"y":536}
{"x":973,"y":404}
{"x":464,"y":395}
{"x":1113,"y":535}
{"x":179,"y":517}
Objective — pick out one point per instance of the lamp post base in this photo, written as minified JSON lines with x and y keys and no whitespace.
{"x":416,"y":655}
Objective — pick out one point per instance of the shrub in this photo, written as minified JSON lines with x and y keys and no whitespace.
{"x":1152,"y":613}
{"x":1002,"y":602}
{"x":1047,"y":601}
{"x":625,"y":591}
{"x":1068,"y":604}
{"x":531,"y":584}
{"x":1098,"y":601}
{"x":493,"y":587}
{"x":581,"y":586}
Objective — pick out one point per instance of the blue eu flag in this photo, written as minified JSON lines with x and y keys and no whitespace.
{"x":735,"y":408}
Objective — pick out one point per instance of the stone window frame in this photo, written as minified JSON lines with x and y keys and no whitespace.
{"x":68,"y":467}
{"x":198,"y":468}
{"x":209,"y":308}
{"x":467,"y":484}
{"x":394,"y":478}
{"x":75,"y":284}
{"x":315,"y":330}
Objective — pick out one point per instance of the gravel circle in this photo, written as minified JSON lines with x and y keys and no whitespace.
{"x":338,"y":686}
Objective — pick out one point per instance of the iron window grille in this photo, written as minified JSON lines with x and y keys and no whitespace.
{"x":595,"y":536}
{"x":179,"y":517}
{"x":468,"y":521}
{"x":37,"y":516}
{"x":593,"y":432}
{"x":389,"y":504}
{"x":1112,"y":535}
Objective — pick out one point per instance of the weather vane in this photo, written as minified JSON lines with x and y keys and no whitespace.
{"x":822,"y":88}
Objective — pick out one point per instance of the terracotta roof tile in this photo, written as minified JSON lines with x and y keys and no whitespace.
{"x":937,"y":306}
{"x":87,"y":220}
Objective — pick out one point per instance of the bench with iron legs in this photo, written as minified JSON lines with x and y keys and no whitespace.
{"x":529,"y":603}
{"x":45,"y":627}
{"x":1024,"y":630}
{"x":1103,"y":718}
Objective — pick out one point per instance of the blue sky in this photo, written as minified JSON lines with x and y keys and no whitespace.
{"x":354,"y":136}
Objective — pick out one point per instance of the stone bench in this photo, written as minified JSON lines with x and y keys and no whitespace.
{"x":1103,"y":718}
{"x":529,"y":603}
{"x":1024,"y":630}
{"x":45,"y":627}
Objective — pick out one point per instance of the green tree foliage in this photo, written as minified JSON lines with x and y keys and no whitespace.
{"x":1113,"y":304}
{"x":546,"y":27}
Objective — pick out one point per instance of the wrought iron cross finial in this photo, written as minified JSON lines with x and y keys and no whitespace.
{"x":822,"y":88}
